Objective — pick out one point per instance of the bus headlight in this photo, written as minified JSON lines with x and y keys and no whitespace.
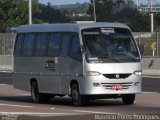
{"x":92,"y":73}
{"x":138,"y":73}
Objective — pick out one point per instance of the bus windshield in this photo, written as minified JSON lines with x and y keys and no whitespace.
{"x":113,"y":44}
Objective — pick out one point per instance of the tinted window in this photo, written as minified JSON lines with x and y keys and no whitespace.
{"x":18,"y":45}
{"x":54,"y":44}
{"x":41,"y":42}
{"x":65,"y":43}
{"x":29,"y":44}
{"x":75,"y":48}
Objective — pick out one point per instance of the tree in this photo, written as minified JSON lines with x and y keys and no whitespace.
{"x":120,"y":11}
{"x":140,"y":22}
{"x":157,"y":23}
{"x":15,"y":12}
{"x":105,"y":9}
{"x":137,"y":21}
{"x":50,"y":15}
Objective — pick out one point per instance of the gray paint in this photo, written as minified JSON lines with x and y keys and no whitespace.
{"x":150,"y":66}
{"x":57,"y":82}
{"x":68,"y":27}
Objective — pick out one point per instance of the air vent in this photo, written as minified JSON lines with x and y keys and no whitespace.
{"x":116,"y":76}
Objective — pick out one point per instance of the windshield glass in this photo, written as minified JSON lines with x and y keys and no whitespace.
{"x":113,"y":44}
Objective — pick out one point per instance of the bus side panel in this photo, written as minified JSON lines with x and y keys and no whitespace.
{"x":20,"y":81}
{"x":21,"y":78}
{"x":43,"y":70}
{"x":71,"y":69}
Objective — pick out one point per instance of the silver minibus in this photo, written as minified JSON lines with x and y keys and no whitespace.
{"x":82,"y":60}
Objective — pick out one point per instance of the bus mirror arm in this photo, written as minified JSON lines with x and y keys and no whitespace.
{"x":81,"y":49}
{"x":141,"y":49}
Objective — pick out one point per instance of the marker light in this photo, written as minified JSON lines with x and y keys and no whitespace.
{"x":96,"y":84}
{"x":92,"y":73}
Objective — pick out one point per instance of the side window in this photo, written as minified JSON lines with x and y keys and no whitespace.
{"x":54,"y":44}
{"x":65,"y":43}
{"x":28,"y":44}
{"x":75,"y":48}
{"x":18,"y":45}
{"x":41,"y":43}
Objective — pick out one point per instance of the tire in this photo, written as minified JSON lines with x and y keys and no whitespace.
{"x":128,"y":99}
{"x":38,"y":97}
{"x":77,"y":99}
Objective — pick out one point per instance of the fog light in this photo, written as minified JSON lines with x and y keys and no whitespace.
{"x":136,"y":84}
{"x":96,"y":84}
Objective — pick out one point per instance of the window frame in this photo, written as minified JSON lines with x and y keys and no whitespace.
{"x":70,"y":48}
{"x":46,"y":46}
{"x":15,"y":46}
{"x":60,"y":44}
{"x":69,"y":42}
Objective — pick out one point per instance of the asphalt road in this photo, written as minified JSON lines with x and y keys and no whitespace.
{"x":17,"y":105}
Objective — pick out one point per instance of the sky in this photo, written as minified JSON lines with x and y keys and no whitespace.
{"x":62,"y":2}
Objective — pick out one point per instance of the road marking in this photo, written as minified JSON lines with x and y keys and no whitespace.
{"x":151,"y":77}
{"x":37,"y":114}
{"x":95,"y":112}
{"x":9,"y":105}
{"x":52,"y":108}
{"x":3,"y":85}
{"x":148,"y":92}
{"x":6,"y":71}
{"x":23,"y":94}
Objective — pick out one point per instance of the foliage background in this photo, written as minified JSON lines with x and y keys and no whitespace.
{"x":15,"y":12}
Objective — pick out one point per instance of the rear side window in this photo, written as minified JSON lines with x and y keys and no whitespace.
{"x":65,"y":44}
{"x":18,"y":45}
{"x":41,"y":43}
{"x":54,"y":44}
{"x":29,"y":44}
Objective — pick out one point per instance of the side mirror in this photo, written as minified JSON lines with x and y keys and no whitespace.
{"x":141,"y":48}
{"x":81,"y":49}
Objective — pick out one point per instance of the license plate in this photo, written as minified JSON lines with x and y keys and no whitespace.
{"x":117,"y":86}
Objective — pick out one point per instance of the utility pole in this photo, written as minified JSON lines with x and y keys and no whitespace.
{"x":138,"y":4}
{"x":94,"y":8}
{"x":150,"y":9}
{"x":30,"y":11}
{"x":152,"y":15}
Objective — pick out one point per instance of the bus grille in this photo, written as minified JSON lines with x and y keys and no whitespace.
{"x":109,"y":85}
{"x":116,"y":76}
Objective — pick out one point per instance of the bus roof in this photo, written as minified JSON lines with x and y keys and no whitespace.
{"x":66,"y":27}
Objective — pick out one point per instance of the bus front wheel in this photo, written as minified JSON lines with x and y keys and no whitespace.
{"x":77,"y":99}
{"x":128,"y":99}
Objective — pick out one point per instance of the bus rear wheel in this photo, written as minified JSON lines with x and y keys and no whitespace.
{"x":128,"y":99}
{"x":39,"y":97}
{"x":77,"y":99}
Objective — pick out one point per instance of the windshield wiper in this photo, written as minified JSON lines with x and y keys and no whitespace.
{"x":103,"y":56}
{"x":108,"y":57}
{"x":116,"y":60}
{"x":129,"y":56}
